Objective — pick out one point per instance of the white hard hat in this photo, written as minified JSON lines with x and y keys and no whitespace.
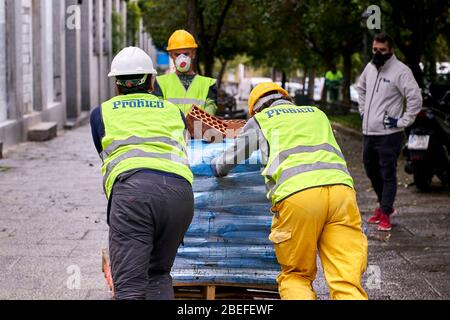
{"x":131,"y":60}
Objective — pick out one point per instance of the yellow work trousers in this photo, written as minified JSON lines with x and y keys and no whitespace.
{"x":324,"y":219}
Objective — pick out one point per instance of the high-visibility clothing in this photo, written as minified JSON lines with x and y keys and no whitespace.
{"x":303,"y":152}
{"x":327,"y":220}
{"x":174,"y":91}
{"x":334,"y":76}
{"x":142,"y":132}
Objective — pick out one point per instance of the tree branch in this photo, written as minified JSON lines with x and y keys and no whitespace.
{"x":220,"y":23}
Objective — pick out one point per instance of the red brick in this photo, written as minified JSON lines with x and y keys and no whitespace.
{"x":211,"y":126}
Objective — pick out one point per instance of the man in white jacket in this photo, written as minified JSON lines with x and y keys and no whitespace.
{"x":389,"y":100}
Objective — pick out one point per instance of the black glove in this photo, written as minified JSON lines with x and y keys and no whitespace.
{"x":390,"y":122}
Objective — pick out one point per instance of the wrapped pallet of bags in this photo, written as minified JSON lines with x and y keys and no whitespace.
{"x":227,"y":242}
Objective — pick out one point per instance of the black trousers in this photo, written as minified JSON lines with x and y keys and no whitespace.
{"x":380,"y":162}
{"x":149,"y":217}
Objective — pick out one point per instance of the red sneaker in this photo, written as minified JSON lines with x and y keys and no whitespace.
{"x":376,"y":218}
{"x":385,"y":223}
{"x":394,"y":213}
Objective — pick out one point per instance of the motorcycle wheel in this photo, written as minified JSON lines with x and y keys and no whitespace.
{"x":422,"y":175}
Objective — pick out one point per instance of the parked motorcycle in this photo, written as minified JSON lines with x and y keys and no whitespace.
{"x":428,"y":146}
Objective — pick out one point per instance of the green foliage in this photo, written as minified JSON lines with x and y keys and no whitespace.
{"x":351,"y":120}
{"x":216,"y":41}
{"x":134,"y":16}
{"x":415,"y":26}
{"x":308,"y":34}
{"x":118,"y":32}
{"x":162,"y":18}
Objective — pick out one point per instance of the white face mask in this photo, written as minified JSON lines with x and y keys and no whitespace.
{"x":183,"y":63}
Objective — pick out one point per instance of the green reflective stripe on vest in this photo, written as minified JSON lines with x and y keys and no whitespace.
{"x":137,"y":140}
{"x":303,"y":152}
{"x":174,"y":91}
{"x":300,"y":149}
{"x":291,"y":172}
{"x":142,"y":132}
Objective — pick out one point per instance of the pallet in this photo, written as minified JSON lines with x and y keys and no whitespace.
{"x":194,"y":291}
{"x":207,"y":291}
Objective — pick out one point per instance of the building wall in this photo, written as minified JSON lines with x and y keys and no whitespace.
{"x":48,"y":52}
{"x":27,"y":56}
{"x":53,"y":72}
{"x":96,"y":52}
{"x":42,"y":62}
{"x":3,"y":102}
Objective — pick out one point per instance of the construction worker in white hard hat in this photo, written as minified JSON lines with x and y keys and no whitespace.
{"x":146,"y":178}
{"x":185,"y":87}
{"x":311,"y":191}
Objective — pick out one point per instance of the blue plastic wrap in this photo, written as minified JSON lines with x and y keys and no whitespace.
{"x":227,"y":242}
{"x":201,"y":153}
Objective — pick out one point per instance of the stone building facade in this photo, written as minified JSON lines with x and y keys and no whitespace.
{"x":54,"y":61}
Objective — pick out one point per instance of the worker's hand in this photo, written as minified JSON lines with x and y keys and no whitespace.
{"x":214,"y":170}
{"x":390,"y":122}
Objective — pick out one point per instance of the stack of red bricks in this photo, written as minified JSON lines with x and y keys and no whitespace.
{"x":211,"y":129}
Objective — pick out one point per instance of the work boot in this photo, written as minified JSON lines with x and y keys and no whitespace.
{"x":385,"y":223}
{"x":375,"y":219}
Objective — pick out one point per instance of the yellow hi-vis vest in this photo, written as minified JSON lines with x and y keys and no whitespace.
{"x":142,"y":132}
{"x":334,"y":76}
{"x":174,"y":91}
{"x":303,"y":152}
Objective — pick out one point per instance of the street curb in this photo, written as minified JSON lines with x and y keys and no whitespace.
{"x":339,"y":127}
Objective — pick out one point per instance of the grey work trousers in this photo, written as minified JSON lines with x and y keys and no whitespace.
{"x":149,"y":217}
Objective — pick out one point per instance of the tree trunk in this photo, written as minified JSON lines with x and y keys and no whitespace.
{"x":283,"y":79}
{"x":192,"y":17}
{"x":324,"y":93}
{"x":347,"y":77}
{"x":311,"y":83}
{"x":414,"y":63}
{"x":430,"y":67}
{"x":198,"y":68}
{"x":208,"y":41}
{"x":223,"y":68}
{"x":304,"y":82}
{"x":209,"y":65}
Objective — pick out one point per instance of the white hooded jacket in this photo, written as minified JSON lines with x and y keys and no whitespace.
{"x":390,"y":90}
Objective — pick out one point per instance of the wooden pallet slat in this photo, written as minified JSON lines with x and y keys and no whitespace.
{"x":225,"y":292}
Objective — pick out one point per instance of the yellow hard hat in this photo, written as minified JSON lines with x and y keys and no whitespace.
{"x":181,"y":39}
{"x":259,"y":91}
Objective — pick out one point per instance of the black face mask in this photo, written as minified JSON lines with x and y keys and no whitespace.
{"x":380,"y":59}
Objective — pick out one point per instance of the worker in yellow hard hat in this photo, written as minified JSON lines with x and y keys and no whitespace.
{"x":184,"y":87}
{"x":311,"y":191}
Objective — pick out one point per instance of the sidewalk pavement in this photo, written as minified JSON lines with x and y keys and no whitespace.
{"x":53,"y":227}
{"x":52,"y":220}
